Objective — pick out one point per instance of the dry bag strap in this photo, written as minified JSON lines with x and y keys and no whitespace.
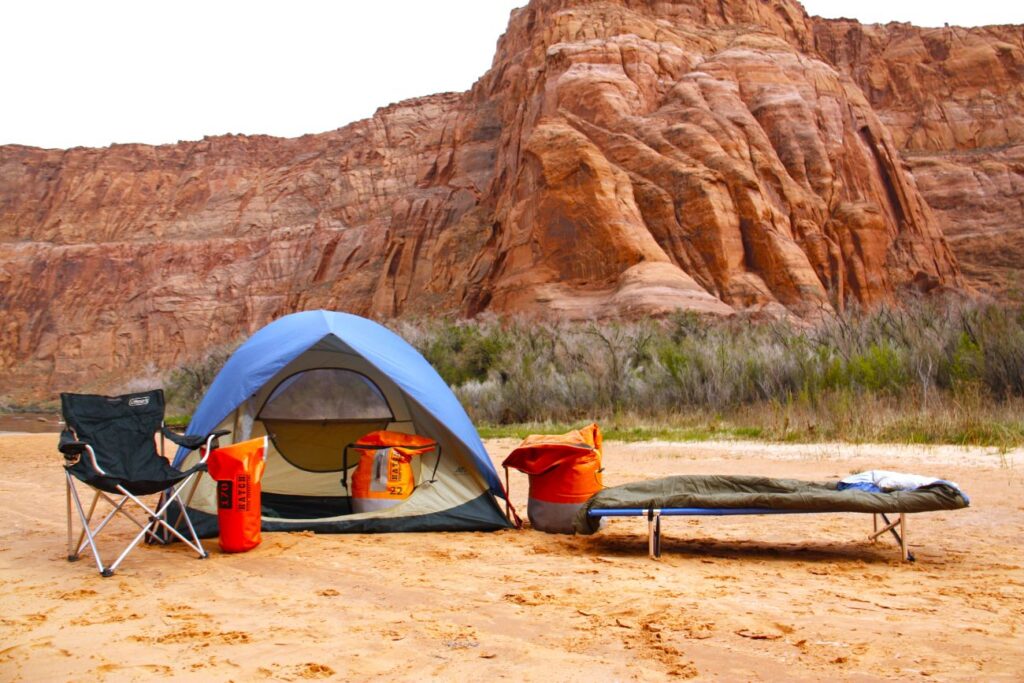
{"x":344,"y":467}
{"x":510,"y":510}
{"x":433,"y":475}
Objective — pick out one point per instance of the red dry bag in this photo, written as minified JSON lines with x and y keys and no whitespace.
{"x":565,"y":471}
{"x":238,"y":469}
{"x":384,"y":476}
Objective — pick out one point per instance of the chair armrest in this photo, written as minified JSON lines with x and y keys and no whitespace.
{"x":92,"y":459}
{"x":70,"y":446}
{"x":193,"y":441}
{"x":73,"y":449}
{"x":209,"y":443}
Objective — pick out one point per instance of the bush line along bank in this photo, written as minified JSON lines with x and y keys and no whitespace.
{"x":929,"y":372}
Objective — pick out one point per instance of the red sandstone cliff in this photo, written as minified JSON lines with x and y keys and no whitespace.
{"x":953,"y":99}
{"x":618,"y":158}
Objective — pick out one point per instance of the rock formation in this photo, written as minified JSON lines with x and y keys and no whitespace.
{"x":619,"y":158}
{"x":953,"y":99}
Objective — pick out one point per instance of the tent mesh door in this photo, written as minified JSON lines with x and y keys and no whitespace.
{"x":311,"y":416}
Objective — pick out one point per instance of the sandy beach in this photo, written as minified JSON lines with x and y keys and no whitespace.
{"x":802,"y":597}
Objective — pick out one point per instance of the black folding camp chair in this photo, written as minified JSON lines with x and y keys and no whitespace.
{"x":109,"y":444}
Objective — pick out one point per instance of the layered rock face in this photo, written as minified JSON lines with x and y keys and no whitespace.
{"x":953,"y":99}
{"x":619,"y":158}
{"x":691,"y":138}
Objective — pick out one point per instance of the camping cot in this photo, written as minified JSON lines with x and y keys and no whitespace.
{"x":720,"y":495}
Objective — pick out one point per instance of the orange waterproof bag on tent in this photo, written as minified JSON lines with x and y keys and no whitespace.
{"x":238,"y":469}
{"x":564,"y":470}
{"x":384,"y":477}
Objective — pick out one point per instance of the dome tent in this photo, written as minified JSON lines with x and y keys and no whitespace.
{"x":315,"y":382}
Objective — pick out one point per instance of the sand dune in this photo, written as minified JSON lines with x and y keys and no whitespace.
{"x":794,"y":597}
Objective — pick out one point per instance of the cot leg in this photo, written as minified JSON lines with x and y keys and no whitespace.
{"x":654,"y":533}
{"x":903,"y":537}
{"x":874,"y":526}
{"x":650,"y":535}
{"x":900,"y":536}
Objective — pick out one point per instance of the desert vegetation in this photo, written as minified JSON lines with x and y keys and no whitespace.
{"x":928,"y":372}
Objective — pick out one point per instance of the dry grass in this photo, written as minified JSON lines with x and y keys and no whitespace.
{"x":931,"y":372}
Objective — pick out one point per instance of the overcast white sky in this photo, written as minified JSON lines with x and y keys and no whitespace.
{"x":101,"y":71}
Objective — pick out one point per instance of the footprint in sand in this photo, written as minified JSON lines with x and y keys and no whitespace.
{"x":79,"y":594}
{"x":311,"y":670}
{"x":699,"y":630}
{"x":305,"y":671}
{"x":156,"y":669}
{"x":456,"y":637}
{"x":653,"y":642}
{"x":29,"y":621}
{"x":532,"y":598}
{"x":111,"y":614}
{"x":191,"y":634}
{"x":185,"y":613}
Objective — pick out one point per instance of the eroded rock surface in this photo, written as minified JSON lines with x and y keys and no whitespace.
{"x":953,"y":99}
{"x":619,"y":158}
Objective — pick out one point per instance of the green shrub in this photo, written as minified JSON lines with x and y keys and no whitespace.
{"x":932,"y":370}
{"x":187,"y":384}
{"x":573,"y":371}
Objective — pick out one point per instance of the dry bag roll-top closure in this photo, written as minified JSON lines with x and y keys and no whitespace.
{"x":384,"y":475}
{"x":564,"y":471}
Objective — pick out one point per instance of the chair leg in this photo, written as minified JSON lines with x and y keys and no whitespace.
{"x":154,"y":520}
{"x":75,"y":548}
{"x":123,"y":511}
{"x":117,"y":507}
{"x":157,"y":519}
{"x":188,"y":501}
{"x":86,"y":523}
{"x":86,"y":531}
{"x":183,"y":515}
{"x":131,"y":546}
{"x":71,"y":552}
{"x":195,"y":544}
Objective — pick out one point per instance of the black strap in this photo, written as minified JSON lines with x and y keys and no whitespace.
{"x":433,"y":475}
{"x":344,"y":467}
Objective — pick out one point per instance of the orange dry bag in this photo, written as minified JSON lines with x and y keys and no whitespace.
{"x":564,"y":470}
{"x":384,"y":477}
{"x":238,"y":469}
